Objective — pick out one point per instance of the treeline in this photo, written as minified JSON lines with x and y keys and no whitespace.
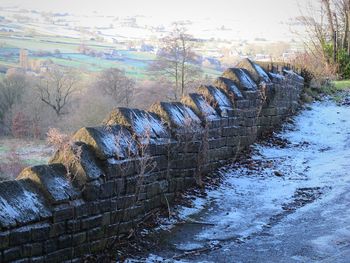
{"x":326,"y":38}
{"x":59,"y":97}
{"x":68,"y":98}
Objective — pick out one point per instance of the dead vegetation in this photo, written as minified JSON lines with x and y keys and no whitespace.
{"x":11,"y":165}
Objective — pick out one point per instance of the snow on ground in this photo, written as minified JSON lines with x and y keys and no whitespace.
{"x":292,"y":207}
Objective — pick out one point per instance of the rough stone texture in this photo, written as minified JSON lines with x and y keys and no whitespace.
{"x":200,"y":106}
{"x":53,"y":182}
{"x":176,"y":114}
{"x":20,"y":203}
{"x":113,"y":141}
{"x":140,"y":122}
{"x":217,"y":99}
{"x":110,"y":178}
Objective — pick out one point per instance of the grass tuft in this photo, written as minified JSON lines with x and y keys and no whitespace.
{"x":341,"y":85}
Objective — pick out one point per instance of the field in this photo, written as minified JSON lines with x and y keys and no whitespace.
{"x":134,"y":63}
{"x":15,"y":154}
{"x":342,"y":84}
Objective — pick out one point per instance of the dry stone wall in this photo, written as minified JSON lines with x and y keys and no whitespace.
{"x":112,"y":176}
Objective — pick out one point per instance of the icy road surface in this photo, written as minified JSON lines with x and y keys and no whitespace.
{"x":290,"y":203}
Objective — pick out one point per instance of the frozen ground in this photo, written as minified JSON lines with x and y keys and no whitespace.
{"x":289,"y":203}
{"x":30,"y":152}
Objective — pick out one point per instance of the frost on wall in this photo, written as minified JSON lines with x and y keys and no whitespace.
{"x":242,"y":78}
{"x":21,"y":202}
{"x":218,"y":99}
{"x":109,"y":142}
{"x":101,"y":186}
{"x":200,"y":106}
{"x":142,"y":123}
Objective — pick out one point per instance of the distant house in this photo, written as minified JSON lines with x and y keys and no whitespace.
{"x":111,"y":54}
{"x":286,"y":56}
{"x":262,"y":57}
{"x":212,"y":62}
{"x":147,"y":48}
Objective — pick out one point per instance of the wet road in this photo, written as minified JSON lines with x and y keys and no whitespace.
{"x":290,"y":203}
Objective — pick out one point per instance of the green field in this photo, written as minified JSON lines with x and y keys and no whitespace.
{"x":342,"y":84}
{"x":31,"y":152}
{"x":134,"y":63}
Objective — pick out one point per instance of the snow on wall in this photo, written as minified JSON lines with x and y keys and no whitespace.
{"x":261,"y":72}
{"x":245,"y":80}
{"x":52,"y":211}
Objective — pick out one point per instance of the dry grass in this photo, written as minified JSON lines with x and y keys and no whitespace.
{"x":16,"y":154}
{"x":11,"y":165}
{"x":64,"y":144}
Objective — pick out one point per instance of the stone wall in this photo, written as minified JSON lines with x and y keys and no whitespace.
{"x":112,"y":176}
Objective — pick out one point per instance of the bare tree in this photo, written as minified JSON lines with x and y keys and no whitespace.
{"x":113,"y":82}
{"x":326,"y":25}
{"x":56,"y":87}
{"x":177,"y":61}
{"x":11,"y":90}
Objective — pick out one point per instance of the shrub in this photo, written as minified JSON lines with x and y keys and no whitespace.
{"x":12,"y":165}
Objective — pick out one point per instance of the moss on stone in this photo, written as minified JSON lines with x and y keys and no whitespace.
{"x":158,"y":109}
{"x":117,"y":116}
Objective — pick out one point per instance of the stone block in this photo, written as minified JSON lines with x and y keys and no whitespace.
{"x":91,"y":222}
{"x":40,"y":232}
{"x":57,"y":229}
{"x":40,"y":259}
{"x":60,"y":255}
{"x":107,"y":189}
{"x":65,"y":241}
{"x":4,"y":239}
{"x":91,"y":191}
{"x":20,"y":236}
{"x":95,"y":233}
{"x":62,"y":212}
{"x":108,"y":142}
{"x":36,"y":249}
{"x":50,"y":245}
{"x":21,"y":202}
{"x":79,"y":238}
{"x":12,"y":254}
{"x":81,"y":250}
{"x":53,"y":181}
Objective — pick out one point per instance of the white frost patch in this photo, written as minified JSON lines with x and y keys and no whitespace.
{"x":146,"y":125}
{"x":207,"y":110}
{"x":181,"y":114}
{"x":141,"y":126}
{"x":245,"y":80}
{"x":117,"y":144}
{"x":292,"y":73}
{"x":221,"y":98}
{"x":277,"y":76}
{"x":187,"y":112}
{"x":197,"y":205}
{"x":158,"y":127}
{"x":154,"y":259}
{"x":30,"y":201}
{"x":247,"y":201}
{"x":24,"y":207}
{"x":236,"y":91}
{"x":261,"y":72}
{"x":176,"y":116}
{"x":189,"y":246}
{"x":7,"y":210}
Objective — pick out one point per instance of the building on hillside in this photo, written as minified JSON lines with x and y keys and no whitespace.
{"x":262,"y":58}
{"x":23,"y":59}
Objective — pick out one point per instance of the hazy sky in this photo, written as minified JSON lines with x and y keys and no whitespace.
{"x":257,"y":15}
{"x":233,"y":9}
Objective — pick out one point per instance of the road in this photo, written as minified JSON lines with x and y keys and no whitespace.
{"x":290,"y":202}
